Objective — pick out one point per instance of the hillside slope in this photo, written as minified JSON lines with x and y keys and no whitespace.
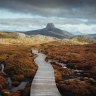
{"x":20,"y":38}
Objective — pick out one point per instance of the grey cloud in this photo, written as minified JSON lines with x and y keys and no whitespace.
{"x":59,"y":8}
{"x":53,"y":3}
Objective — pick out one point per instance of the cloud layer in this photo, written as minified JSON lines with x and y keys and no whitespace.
{"x":41,"y":22}
{"x":59,"y":8}
{"x":70,"y":15}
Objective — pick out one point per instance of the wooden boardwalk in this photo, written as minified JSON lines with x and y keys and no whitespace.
{"x":44,"y":81}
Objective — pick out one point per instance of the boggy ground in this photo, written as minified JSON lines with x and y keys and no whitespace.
{"x":18,"y":67}
{"x":78,"y":78}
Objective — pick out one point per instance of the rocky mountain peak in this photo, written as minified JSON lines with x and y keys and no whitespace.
{"x":50,"y":26}
{"x":52,"y":31}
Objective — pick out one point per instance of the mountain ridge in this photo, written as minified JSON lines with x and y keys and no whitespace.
{"x":50,"y":30}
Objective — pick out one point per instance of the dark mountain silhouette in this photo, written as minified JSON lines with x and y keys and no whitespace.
{"x":50,"y":30}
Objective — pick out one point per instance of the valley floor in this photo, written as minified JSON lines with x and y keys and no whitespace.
{"x":74,"y":68}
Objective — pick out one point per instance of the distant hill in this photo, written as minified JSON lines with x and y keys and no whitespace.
{"x":21,"y":38}
{"x":52,"y":31}
{"x":9,"y":35}
{"x":83,"y":38}
{"x":93,"y":36}
{"x":89,"y":36}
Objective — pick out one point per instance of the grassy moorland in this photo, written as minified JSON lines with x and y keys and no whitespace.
{"x":78,"y":78}
{"x":18,"y":66}
{"x":17,"y":62}
{"x":21,"y":39}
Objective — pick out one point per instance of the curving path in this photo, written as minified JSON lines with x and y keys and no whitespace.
{"x":44,"y":80}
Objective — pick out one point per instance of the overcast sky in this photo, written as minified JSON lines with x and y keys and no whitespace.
{"x":71,"y":15}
